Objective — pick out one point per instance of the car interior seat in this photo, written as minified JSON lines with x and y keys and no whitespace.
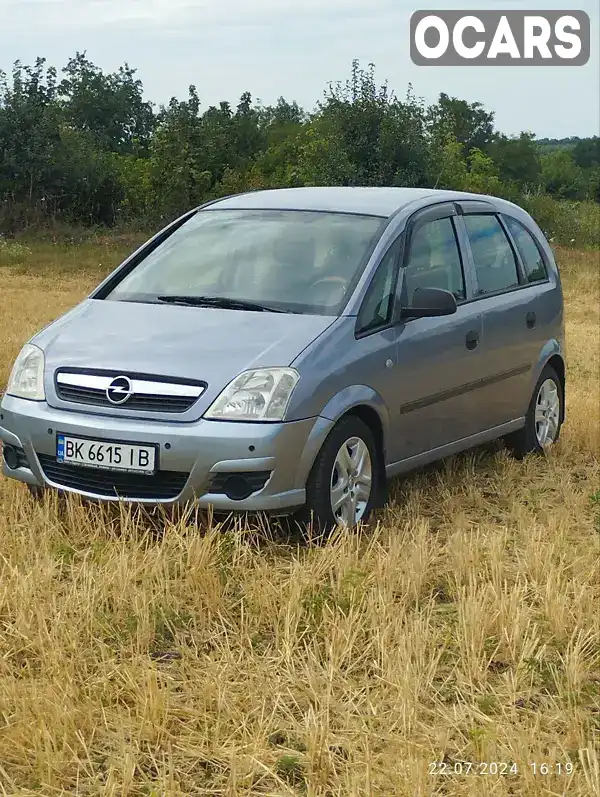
{"x":292,"y":267}
{"x":421,"y":272}
{"x":492,"y":263}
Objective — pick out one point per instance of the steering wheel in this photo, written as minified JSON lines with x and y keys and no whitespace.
{"x":337,"y":280}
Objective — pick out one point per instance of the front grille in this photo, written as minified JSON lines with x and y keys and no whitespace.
{"x":86,"y":395}
{"x":163,"y":485}
{"x":148,"y":393}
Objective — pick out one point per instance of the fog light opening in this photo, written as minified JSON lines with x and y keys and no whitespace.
{"x":11,"y":457}
{"x":237,"y":488}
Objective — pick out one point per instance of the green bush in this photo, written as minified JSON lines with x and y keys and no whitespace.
{"x":12,"y":253}
{"x":564,"y":222}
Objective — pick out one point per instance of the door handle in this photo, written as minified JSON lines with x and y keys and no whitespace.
{"x":530,"y":319}
{"x":472,"y":340}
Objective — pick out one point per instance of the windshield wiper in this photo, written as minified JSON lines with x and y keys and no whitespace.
{"x":218,"y":301}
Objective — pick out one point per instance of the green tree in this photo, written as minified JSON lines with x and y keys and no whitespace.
{"x":381,"y":139}
{"x":90,"y":149}
{"x":450,"y":167}
{"x":110,"y":107}
{"x":29,"y":135}
{"x":561,"y":176}
{"x":483,"y":176}
{"x":321,"y":160}
{"x":283,"y":118}
{"x":469,"y":123}
{"x":517,"y":159}
{"x":586,"y":152}
{"x":593,"y":184}
{"x":138,"y":205}
{"x":180,"y":173}
{"x":87,"y":187}
{"x":248,"y":138}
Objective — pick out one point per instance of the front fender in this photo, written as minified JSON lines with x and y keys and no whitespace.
{"x":355,"y":396}
{"x":338,"y":406}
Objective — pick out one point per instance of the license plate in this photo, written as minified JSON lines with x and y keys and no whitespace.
{"x":105,"y":454}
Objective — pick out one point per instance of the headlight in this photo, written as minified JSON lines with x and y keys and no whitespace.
{"x":259,"y":395}
{"x":27,"y":376}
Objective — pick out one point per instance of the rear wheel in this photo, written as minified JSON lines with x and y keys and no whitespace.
{"x":341,"y":488}
{"x":544,"y":417}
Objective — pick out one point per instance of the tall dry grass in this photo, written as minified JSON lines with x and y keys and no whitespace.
{"x":186,"y":661}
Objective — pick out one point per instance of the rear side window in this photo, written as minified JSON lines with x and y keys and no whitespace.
{"x":495,"y":263}
{"x":535,"y":268}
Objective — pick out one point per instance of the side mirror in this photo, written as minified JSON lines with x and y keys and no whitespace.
{"x":430,"y":302}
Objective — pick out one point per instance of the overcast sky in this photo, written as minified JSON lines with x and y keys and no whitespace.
{"x":294,"y":48}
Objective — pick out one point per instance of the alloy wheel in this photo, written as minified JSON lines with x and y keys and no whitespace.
{"x":351,"y":482}
{"x":547,"y":413}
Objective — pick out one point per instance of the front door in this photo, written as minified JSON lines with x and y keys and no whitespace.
{"x":439,"y":359}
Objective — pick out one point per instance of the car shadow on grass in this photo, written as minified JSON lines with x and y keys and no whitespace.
{"x":259,"y":530}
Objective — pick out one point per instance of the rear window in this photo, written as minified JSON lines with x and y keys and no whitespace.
{"x":533,"y":262}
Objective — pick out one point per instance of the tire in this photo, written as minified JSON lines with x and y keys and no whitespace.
{"x":529,"y":439}
{"x":326,"y":472}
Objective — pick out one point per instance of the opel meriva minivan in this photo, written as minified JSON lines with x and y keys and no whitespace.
{"x":290,"y":350}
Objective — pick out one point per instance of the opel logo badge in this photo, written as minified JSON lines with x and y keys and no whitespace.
{"x":119,"y":390}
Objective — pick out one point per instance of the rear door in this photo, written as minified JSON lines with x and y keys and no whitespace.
{"x":544,"y":317}
{"x":513,"y":323}
{"x":439,"y":359}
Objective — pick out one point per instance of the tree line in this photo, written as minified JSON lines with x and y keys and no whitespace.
{"x":85,"y":147}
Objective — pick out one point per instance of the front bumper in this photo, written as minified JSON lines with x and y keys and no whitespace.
{"x":198,"y":451}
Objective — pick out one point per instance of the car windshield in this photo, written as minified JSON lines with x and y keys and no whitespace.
{"x":291,"y":261}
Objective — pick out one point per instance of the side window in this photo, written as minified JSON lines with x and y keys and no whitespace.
{"x":376,"y":310}
{"x":533,"y":261}
{"x":494,"y":259}
{"x":434,"y":260}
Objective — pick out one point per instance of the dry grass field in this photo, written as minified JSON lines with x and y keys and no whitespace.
{"x":463,"y":628}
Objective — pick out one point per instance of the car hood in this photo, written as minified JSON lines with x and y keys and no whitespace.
{"x":208,"y":344}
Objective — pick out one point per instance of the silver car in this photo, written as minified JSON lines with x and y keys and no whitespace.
{"x":289,"y":351}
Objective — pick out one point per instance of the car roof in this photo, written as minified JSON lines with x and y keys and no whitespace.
{"x":373,"y":201}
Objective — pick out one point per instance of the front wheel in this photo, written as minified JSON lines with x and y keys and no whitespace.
{"x":544,"y":417}
{"x":341,"y":488}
